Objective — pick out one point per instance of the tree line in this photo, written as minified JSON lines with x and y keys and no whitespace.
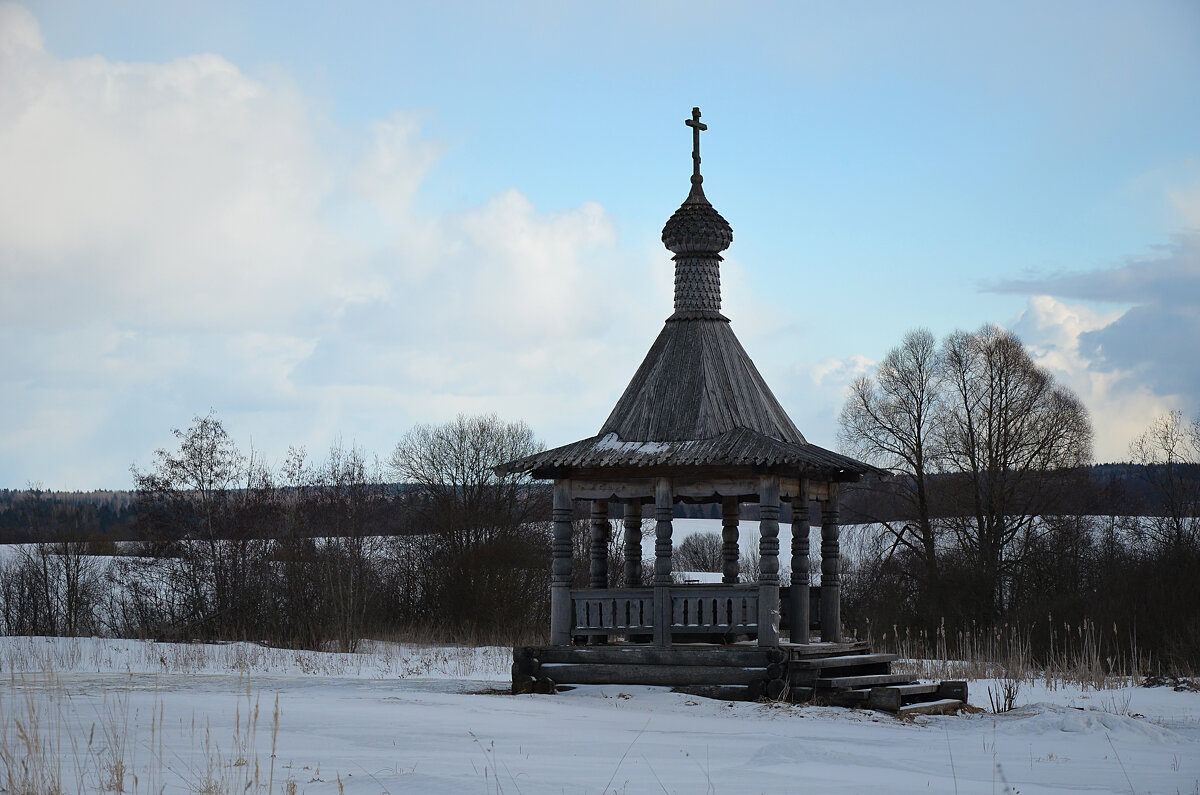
{"x":992,"y":519}
{"x":309,"y":553}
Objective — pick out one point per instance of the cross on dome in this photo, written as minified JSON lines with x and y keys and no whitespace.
{"x":696,"y":126}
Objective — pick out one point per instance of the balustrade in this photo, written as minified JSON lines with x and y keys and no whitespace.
{"x":697,"y":609}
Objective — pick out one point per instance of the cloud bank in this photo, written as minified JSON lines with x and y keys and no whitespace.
{"x":179,"y":236}
{"x":1129,"y":363}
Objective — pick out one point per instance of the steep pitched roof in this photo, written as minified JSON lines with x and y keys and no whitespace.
{"x":698,"y":382}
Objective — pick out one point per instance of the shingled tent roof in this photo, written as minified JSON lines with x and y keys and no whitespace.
{"x":697,"y":399}
{"x":698,"y":382}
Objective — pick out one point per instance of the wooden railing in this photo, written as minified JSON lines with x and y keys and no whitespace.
{"x":695,"y":609}
{"x":715,"y":609}
{"x":612,"y":611}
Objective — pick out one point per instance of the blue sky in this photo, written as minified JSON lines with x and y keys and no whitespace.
{"x":336,"y":221}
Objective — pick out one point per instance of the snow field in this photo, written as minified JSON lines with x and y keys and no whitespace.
{"x":109,"y":712}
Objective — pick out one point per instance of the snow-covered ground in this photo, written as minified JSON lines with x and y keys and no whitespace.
{"x":431,"y":720}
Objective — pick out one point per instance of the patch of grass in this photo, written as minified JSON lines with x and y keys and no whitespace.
{"x":1003,"y":653}
{"x":47,"y":748}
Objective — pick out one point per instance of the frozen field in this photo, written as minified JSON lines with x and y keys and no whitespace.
{"x":98,"y":713}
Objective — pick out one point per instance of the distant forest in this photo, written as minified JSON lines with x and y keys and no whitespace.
{"x":29,"y":515}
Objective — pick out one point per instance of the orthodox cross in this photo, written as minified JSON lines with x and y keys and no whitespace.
{"x":696,"y":126}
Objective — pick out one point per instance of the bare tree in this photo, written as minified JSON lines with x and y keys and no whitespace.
{"x":889,"y":420}
{"x":1169,"y":452}
{"x":202,"y":499}
{"x":489,"y":569}
{"x":1006,"y":424}
{"x":699,"y":552}
{"x":458,"y":493}
{"x":997,"y":431}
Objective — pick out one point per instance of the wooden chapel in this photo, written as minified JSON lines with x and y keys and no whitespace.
{"x":697,"y":423}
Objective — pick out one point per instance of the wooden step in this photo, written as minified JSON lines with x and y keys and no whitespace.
{"x":890,"y":699}
{"x":858,"y":682}
{"x":842,"y":698}
{"x":809,"y":677}
{"x":894,"y":698}
{"x":914,"y":690}
{"x":841,"y":661}
{"x":804,"y":651}
{"x":943,"y":706}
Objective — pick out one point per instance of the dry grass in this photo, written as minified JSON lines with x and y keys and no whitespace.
{"x":375,"y":659}
{"x":48,"y":748}
{"x":1074,"y":659}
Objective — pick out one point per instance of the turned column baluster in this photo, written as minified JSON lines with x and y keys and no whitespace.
{"x":799,"y":603}
{"x":768,"y":553}
{"x":633,"y":543}
{"x":831,"y":604}
{"x":729,"y":540}
{"x":664,"y":511}
{"x":560,"y":573}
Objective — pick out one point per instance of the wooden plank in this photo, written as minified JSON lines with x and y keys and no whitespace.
{"x":804,"y":651}
{"x":643,"y":488}
{"x":943,"y":706}
{"x":668,"y":675}
{"x":915,"y":690}
{"x":872,"y":680}
{"x":807,"y":677}
{"x":739,"y":656}
{"x":612,"y":489}
{"x":844,"y":661}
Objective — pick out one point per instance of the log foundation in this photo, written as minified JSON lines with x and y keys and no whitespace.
{"x":841,"y":674}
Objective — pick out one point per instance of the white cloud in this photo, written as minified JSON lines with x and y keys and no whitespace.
{"x":839,"y":373}
{"x":179,"y":236}
{"x":1121,"y":408}
{"x":175,"y":195}
{"x":1127,"y":365}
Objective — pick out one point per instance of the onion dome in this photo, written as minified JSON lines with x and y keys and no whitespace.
{"x":696,"y":227}
{"x":697,"y":234}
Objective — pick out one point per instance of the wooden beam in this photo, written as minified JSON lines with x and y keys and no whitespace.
{"x":589,"y":674}
{"x":740,"y":656}
{"x":643,"y":488}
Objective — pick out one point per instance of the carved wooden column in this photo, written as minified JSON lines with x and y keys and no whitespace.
{"x":799,"y":602}
{"x":729,"y":540}
{"x":601,"y":532}
{"x":664,"y":511}
{"x":768,"y":552}
{"x":831,"y":598}
{"x":560,"y":574}
{"x":633,"y":543}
